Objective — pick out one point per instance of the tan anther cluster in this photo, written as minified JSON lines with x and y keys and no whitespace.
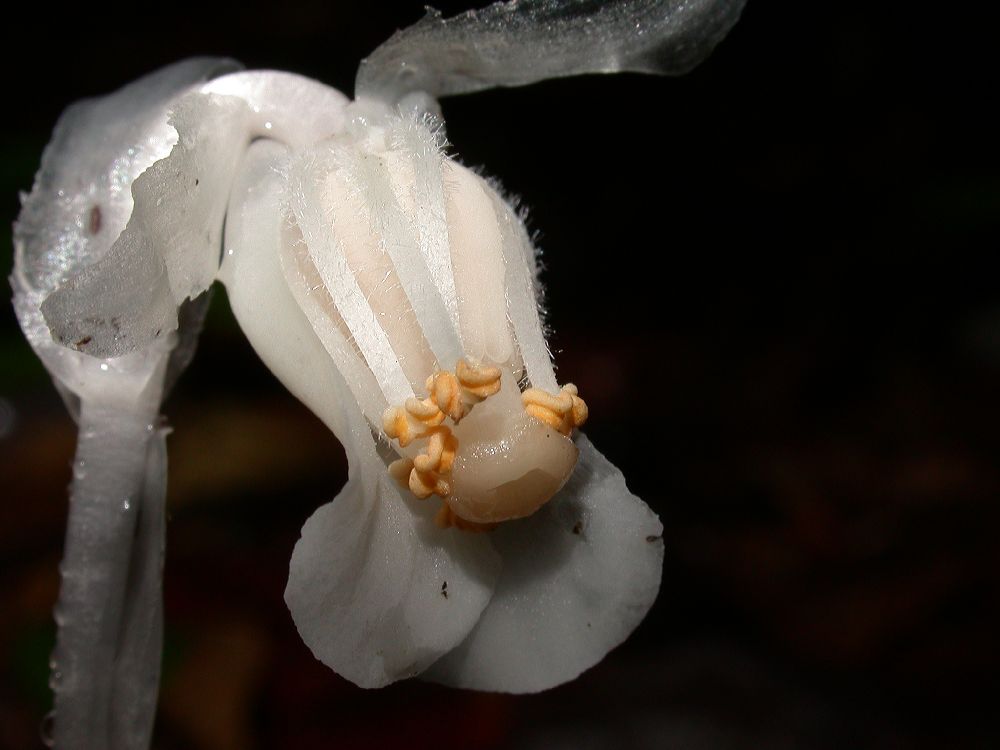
{"x":415,"y":419}
{"x":562,"y":411}
{"x":426,"y":474}
{"x":455,"y":393}
{"x":450,"y":395}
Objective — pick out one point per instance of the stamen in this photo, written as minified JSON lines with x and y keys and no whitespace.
{"x":423,"y":484}
{"x":456,"y":393}
{"x":412,"y":422}
{"x":426,"y":474}
{"x":562,"y":412}
{"x":451,"y":395}
{"x":482,"y":381}
{"x":440,"y":453}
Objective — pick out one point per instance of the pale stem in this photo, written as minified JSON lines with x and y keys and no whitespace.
{"x":106,"y":664}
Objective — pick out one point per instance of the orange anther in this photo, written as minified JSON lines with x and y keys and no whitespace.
{"x":445,"y":392}
{"x":400,"y":470}
{"x":449,"y":395}
{"x":425,"y":411}
{"x":482,"y":381}
{"x":423,"y":484}
{"x":562,"y":412}
{"x":396,"y":425}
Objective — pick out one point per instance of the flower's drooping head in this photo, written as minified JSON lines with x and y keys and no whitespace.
{"x":394,"y":292}
{"x":419,"y":278}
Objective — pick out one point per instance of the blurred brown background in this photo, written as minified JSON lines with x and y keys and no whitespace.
{"x":786,"y":257}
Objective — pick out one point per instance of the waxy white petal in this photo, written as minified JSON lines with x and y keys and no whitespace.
{"x":376,"y":590}
{"x":578,"y":577}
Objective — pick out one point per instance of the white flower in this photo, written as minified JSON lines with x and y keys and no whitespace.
{"x":361,"y":262}
{"x":478,"y":542}
{"x":359,"y":267}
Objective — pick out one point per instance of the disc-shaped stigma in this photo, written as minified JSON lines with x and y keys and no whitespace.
{"x":563,"y":411}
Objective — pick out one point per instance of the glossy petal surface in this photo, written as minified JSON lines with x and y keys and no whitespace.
{"x":377,"y":591}
{"x":577,"y":578}
{"x":524,"y":41}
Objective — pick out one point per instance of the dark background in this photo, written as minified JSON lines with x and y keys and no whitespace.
{"x":772,"y":281}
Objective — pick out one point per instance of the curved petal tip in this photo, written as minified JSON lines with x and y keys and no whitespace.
{"x":377,"y":592}
{"x":577,"y":579}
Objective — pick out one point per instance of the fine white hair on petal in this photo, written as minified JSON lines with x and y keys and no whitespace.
{"x":369,"y":176}
{"x":477,"y":260}
{"x":578,"y":577}
{"x":522,"y":302}
{"x":418,"y":146}
{"x":332,"y":232}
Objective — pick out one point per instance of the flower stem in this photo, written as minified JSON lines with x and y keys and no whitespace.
{"x":106,"y":664}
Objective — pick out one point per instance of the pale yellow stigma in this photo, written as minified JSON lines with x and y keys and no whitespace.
{"x":515,"y":455}
{"x":563,"y":411}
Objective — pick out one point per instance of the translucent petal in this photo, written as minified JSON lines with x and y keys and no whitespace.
{"x":522,"y":295}
{"x":375,"y":589}
{"x":81,"y":200}
{"x":260,"y":299}
{"x":106,"y":662}
{"x":78,"y":207}
{"x":524,"y":41}
{"x":289,"y":108}
{"x":477,"y":262}
{"x":169,"y":251}
{"x":577,"y":578}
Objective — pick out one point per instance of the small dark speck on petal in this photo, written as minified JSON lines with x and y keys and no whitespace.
{"x":94,"y":220}
{"x":653,"y":538}
{"x":578,"y":527}
{"x":196,"y":181}
{"x":83,"y":342}
{"x":444,"y":589}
